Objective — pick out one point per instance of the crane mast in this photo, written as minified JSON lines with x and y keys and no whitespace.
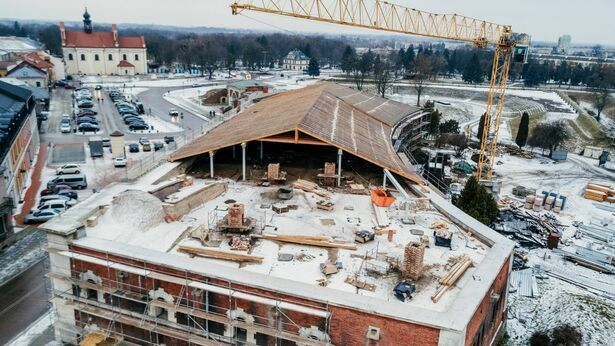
{"x":384,"y":16}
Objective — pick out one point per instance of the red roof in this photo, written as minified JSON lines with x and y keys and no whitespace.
{"x":125,"y":63}
{"x":101,"y":40}
{"x":35,"y":60}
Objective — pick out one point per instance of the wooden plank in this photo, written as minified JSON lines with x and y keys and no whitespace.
{"x":218,"y":254}
{"x":309,"y":240}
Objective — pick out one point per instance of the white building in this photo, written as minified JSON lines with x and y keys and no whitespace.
{"x":296,"y":60}
{"x":102,"y":53}
{"x":563,"y":44}
{"x":11,"y":47}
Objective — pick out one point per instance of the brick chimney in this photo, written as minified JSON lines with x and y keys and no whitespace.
{"x":116,"y":40}
{"x":63,"y":34}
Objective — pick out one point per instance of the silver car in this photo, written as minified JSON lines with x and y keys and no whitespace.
{"x":37,"y":216}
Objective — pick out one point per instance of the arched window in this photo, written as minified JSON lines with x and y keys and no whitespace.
{"x":82,"y":57}
{"x":136,"y":57}
{"x":96,"y":58}
{"x":110,"y":57}
{"x":124,"y":57}
{"x":70,"y":56}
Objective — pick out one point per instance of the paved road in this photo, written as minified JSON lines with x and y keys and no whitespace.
{"x":153,"y":98}
{"x":22,"y":301}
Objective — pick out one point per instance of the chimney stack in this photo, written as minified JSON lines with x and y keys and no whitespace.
{"x":115,"y":36}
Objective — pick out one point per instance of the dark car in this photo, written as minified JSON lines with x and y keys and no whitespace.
{"x":68,"y":86}
{"x":138,"y":126}
{"x":56,"y":190}
{"x":87,"y":120}
{"x":133,"y":148}
{"x":85,"y":104}
{"x":169,"y":139}
{"x":133,"y":119}
{"x":87,"y":127}
{"x":68,"y":193}
{"x":158,"y":146}
{"x":86,"y":111}
{"x":98,"y":87}
{"x":62,"y":83}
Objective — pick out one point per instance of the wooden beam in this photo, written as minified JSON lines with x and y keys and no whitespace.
{"x":309,"y":240}
{"x":218,"y":254}
{"x":296,"y":136}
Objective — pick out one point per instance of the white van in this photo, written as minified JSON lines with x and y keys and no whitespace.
{"x":55,"y":204}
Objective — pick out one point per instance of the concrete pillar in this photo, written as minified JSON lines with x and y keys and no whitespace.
{"x":339,"y":167}
{"x":243,"y":160}
{"x":211,"y":164}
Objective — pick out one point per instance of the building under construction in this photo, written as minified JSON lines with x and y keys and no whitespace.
{"x":295,"y":222}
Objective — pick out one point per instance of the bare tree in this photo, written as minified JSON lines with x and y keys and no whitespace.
{"x":423,"y":71}
{"x":362,"y":67}
{"x":549,"y":135}
{"x":382,"y":75}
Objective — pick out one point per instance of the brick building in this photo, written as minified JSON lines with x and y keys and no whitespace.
{"x":174,"y":275}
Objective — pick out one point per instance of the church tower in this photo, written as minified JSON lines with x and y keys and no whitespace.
{"x":87,"y":22}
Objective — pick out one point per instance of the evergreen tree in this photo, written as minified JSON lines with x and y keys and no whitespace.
{"x":409,"y":57}
{"x":348,"y":59}
{"x":481,"y":128}
{"x":313,"y":69}
{"x":449,"y":126}
{"x":477,"y":202}
{"x":434,"y":119}
{"x":472,"y":73}
{"x":523,"y":131}
{"x":308,"y":50}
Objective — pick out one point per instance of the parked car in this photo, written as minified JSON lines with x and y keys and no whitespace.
{"x":169,"y":139}
{"x":75,"y":181}
{"x":68,"y":86}
{"x":173,"y":112}
{"x":67,"y":193}
{"x":65,"y":128}
{"x":87,"y":120}
{"x":147,"y":146}
{"x":136,"y":127}
{"x":61,"y":83}
{"x":87,"y":127}
{"x":43,"y":116}
{"x":133,"y":119}
{"x":119,"y":161}
{"x":98,"y":87}
{"x":85,"y":104}
{"x":36,"y":216}
{"x":56,"y":190}
{"x":54,"y":204}
{"x":106,"y":142}
{"x":158,"y":146}
{"x":69,"y":201}
{"x":86,"y":111}
{"x":69,"y":168}
{"x":143,"y":140}
{"x":133,"y":148}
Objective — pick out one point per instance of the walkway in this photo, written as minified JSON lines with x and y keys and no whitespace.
{"x":30,"y":197}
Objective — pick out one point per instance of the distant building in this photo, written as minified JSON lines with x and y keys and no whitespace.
{"x":235,"y":94}
{"x":46,"y":62}
{"x":296,"y":60}
{"x":563,"y":44}
{"x":29,"y":74}
{"x":19,"y":144}
{"x":102,"y":53}
{"x":11,"y":47}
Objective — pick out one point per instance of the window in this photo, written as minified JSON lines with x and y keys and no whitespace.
{"x":124,"y":57}
{"x":110,"y":57}
{"x":136,"y":57}
{"x":82,"y":57}
{"x":96,"y":57}
{"x":70,"y":56}
{"x":38,"y":84}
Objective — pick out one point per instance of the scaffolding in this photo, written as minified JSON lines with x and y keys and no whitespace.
{"x":125,"y":305}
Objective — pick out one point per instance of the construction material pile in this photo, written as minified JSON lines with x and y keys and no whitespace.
{"x":137,"y":210}
{"x":599,"y":192}
{"x":412,"y":265}
{"x":452,"y":276}
{"x":529,"y":230}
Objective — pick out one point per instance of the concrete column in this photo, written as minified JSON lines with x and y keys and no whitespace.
{"x":384,"y":181}
{"x":339,"y":167}
{"x":211,"y":164}
{"x":243,"y":159}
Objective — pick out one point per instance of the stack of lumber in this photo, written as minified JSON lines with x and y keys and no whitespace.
{"x":360,"y":284}
{"x":453,"y":275}
{"x":599,"y":192}
{"x":219,"y":254}
{"x":309,"y":186}
{"x":320,"y":241}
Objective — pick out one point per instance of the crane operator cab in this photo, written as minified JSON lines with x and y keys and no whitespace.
{"x":521,"y":49}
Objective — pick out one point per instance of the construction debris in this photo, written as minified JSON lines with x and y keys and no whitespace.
{"x":235,"y":220}
{"x":240,"y":243}
{"x":524,"y":282}
{"x":599,"y":192}
{"x":285,"y":193}
{"x":382,"y":198}
{"x":325,"y":205}
{"x":219,"y":254}
{"x":308,"y":186}
{"x":280,"y":208}
{"x":529,"y":230}
{"x":357,"y":189}
{"x":452,"y":276}
{"x":321,"y":241}
{"x":329,"y":268}
{"x":364,"y":237}
{"x":360,"y":284}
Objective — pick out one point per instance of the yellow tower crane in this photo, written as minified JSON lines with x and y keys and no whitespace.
{"x":384,"y":16}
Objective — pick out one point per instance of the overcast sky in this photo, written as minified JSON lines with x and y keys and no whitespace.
{"x":588,"y":21}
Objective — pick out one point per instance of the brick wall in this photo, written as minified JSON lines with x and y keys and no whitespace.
{"x":485,"y":311}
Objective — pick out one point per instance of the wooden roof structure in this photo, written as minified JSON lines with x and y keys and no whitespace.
{"x":322,"y":114}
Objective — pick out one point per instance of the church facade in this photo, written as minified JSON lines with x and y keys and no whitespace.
{"x":102,"y":53}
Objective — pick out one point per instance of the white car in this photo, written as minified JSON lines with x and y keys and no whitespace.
{"x":173,"y":112}
{"x":70,"y":168}
{"x":119,"y":161}
{"x":65,"y":128}
{"x":55,"y":204}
